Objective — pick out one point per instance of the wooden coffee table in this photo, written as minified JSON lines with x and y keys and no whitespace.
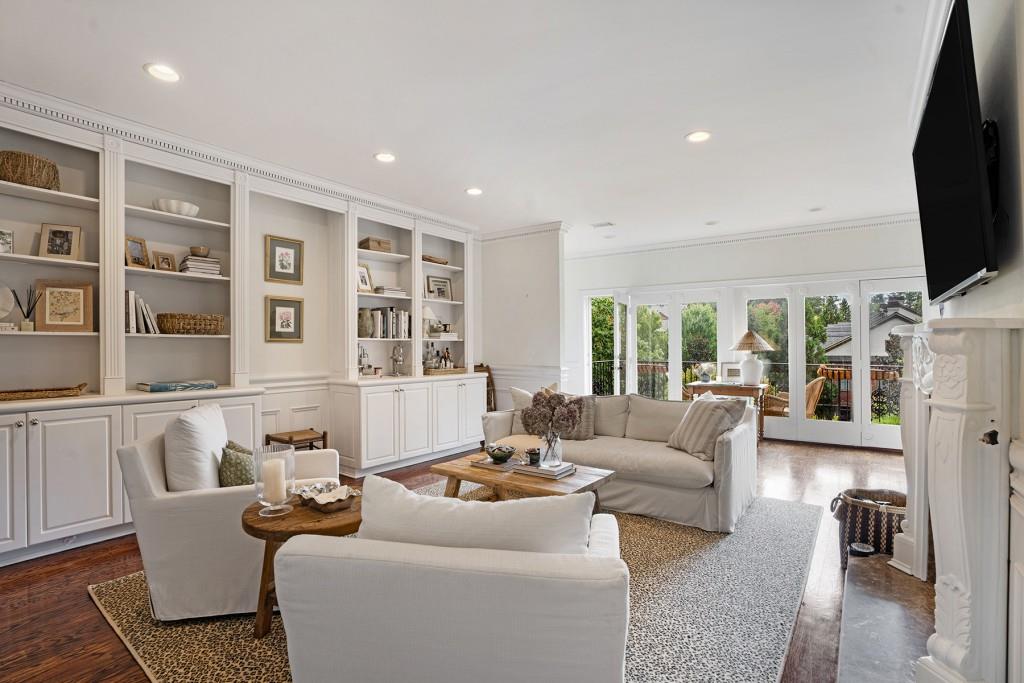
{"x":458,"y":471}
{"x":276,"y":530}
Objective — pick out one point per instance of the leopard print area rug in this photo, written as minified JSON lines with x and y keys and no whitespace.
{"x":703,"y":606}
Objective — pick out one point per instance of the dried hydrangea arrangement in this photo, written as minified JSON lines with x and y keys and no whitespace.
{"x":551,"y":414}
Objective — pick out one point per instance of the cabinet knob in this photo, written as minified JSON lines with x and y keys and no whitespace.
{"x":34,"y":421}
{"x":19,"y":423}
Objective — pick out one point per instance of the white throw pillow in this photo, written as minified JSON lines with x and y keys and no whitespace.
{"x":703,"y":423}
{"x":521,"y":398}
{"x":706,"y":396}
{"x":193,"y":443}
{"x":549,"y":524}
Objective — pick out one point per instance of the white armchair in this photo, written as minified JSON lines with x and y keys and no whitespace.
{"x":366,"y":610}
{"x":198,"y":561}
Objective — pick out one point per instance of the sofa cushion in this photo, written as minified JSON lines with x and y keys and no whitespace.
{"x":521,"y":398}
{"x":653,"y":420}
{"x":585,"y":430}
{"x":703,"y":423}
{"x":610,"y":415}
{"x":192,"y":448}
{"x":646,"y":461}
{"x":550,"y":524}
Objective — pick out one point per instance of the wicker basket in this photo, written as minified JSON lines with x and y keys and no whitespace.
{"x":871,"y":516}
{"x":28,"y":169}
{"x":190,"y":323}
{"x":30,"y":394}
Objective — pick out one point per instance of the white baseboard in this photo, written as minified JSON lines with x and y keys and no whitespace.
{"x":62,"y":544}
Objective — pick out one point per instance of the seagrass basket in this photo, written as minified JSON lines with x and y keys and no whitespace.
{"x":28,"y":169}
{"x":871,"y":516}
{"x":190,"y":323}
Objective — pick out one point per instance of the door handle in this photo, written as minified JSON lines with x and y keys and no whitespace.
{"x":19,"y":424}
{"x":34,"y":421}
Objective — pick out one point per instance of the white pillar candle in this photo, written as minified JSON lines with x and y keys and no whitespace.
{"x":274,"y":489}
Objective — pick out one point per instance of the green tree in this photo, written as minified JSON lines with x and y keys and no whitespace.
{"x":602,"y":328}
{"x":700,"y":333}
{"x":651,"y":334}
{"x":770,"y":319}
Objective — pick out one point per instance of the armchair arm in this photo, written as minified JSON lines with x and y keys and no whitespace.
{"x":318,"y":464}
{"x":736,"y":471}
{"x":497,"y":425}
{"x":604,"y":536}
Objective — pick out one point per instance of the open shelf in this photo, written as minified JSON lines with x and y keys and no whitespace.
{"x":442,"y":266}
{"x":380,"y":339}
{"x":173,"y":218}
{"x":175,"y":274}
{"x":398,"y":297}
{"x":442,"y":301}
{"x":177,"y":336}
{"x":19,"y":333}
{"x":49,"y":261}
{"x":50,"y":196}
{"x":447,"y":341}
{"x":382,"y":256}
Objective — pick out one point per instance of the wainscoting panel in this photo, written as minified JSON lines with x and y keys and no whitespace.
{"x":528,"y":377}
{"x":295,"y":403}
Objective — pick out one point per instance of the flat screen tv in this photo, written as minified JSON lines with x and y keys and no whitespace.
{"x":951,"y":171}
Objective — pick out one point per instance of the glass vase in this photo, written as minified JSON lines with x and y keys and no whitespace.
{"x":551,"y":450}
{"x":275,"y":478}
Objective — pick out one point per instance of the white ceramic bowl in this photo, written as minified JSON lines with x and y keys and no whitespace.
{"x":178,"y":206}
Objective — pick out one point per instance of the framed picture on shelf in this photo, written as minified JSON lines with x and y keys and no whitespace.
{"x":730,"y":372}
{"x":6,"y":241}
{"x":439,"y":288}
{"x":282,"y":259}
{"x":364,"y":283}
{"x":60,"y":241}
{"x":64,"y":306}
{"x":283,"y":318}
{"x":165,"y":261}
{"x":135,"y":253}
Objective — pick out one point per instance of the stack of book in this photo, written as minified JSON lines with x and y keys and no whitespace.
{"x":449,"y":336}
{"x":488,"y":464}
{"x":393,"y":291}
{"x":138,"y":316}
{"x":192,"y":385}
{"x":390,"y":323}
{"x":560,"y":472}
{"x":203,"y":265}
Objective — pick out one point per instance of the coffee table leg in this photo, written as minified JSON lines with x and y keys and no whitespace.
{"x":268,"y":598}
{"x":451,"y":489}
{"x":597,"y":502}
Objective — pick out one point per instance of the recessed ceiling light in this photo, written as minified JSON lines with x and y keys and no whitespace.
{"x":384,"y":157}
{"x":711,"y":223}
{"x":474,"y":191}
{"x":698,"y":136}
{"x":609,"y":236}
{"x":162,"y":72}
{"x":816,"y":209}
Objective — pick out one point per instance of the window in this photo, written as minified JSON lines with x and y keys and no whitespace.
{"x":699,"y":335}
{"x":652,"y":351}
{"x":828,"y":343}
{"x":602,"y":345}
{"x":770,"y":319}
{"x":888,"y":310}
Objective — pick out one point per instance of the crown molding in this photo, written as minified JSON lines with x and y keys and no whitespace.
{"x":893,"y":220}
{"x":77,"y":115}
{"x":556,"y":226}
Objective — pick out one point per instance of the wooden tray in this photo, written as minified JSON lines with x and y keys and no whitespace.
{"x":28,"y":394}
{"x":444,"y":371}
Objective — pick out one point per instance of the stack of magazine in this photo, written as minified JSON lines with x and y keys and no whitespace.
{"x":557,"y":472}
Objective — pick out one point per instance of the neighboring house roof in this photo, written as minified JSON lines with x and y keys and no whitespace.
{"x":838,"y":334}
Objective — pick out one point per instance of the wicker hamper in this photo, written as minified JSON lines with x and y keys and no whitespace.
{"x":28,"y":169}
{"x":871,"y":516}
{"x":190,"y":323}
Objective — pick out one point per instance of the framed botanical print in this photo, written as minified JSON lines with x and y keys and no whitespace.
{"x":163,"y":260}
{"x":439,"y":288}
{"x":364,"y":283}
{"x":60,"y":241}
{"x":283,"y":318}
{"x":136,"y":255}
{"x":282,"y":259}
{"x":64,"y":306}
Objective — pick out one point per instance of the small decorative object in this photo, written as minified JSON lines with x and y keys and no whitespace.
{"x":364,"y":283}
{"x":397,"y":360}
{"x":365,"y":367}
{"x":730,"y":372}
{"x":177,"y":206}
{"x":375,"y":244}
{"x":437,"y":260}
{"x":282,"y":259}
{"x":6,"y":241}
{"x":500,"y":454}
{"x":28,"y":169}
{"x":61,"y":241}
{"x":6,"y":302}
{"x":199,"y":252}
{"x":751,"y":368}
{"x":378,"y":371}
{"x":533,"y":456}
{"x":66,"y":306}
{"x":439,"y":288}
{"x":136,"y":255}
{"x":309,"y":491}
{"x":365,"y":323}
{"x":548,"y":416}
{"x":429,"y":317}
{"x":30,"y":394}
{"x":190,"y":323}
{"x":705,"y":370}
{"x":275,"y":478}
{"x":283,"y":318}
{"x":165,"y":261}
{"x":27,"y":307}
{"x":333,"y":500}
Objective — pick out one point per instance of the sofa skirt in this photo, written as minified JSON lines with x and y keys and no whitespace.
{"x":692,"y":507}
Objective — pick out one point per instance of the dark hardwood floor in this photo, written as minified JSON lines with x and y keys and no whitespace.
{"x":51,"y":631}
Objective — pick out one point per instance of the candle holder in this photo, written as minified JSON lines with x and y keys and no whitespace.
{"x":275,"y":478}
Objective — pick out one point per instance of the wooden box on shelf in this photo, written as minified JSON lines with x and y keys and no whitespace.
{"x":375,"y":244}
{"x":444,"y":371}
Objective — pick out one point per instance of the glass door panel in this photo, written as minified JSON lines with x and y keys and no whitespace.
{"x":770,"y":319}
{"x":829,"y":352}
{"x":621,"y":345}
{"x":652,"y":351}
{"x":602,"y":345}
{"x":699,"y":349}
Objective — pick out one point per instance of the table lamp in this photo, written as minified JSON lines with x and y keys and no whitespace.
{"x":428,"y":315}
{"x":751,"y":369}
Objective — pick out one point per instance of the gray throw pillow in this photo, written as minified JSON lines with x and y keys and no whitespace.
{"x":703,"y":423}
{"x":237,"y":467}
{"x":585,"y":431}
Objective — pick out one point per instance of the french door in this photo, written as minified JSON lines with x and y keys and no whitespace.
{"x":609,"y":344}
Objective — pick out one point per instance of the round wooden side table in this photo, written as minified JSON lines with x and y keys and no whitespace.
{"x":276,"y":530}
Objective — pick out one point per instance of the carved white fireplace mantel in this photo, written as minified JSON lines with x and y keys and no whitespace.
{"x":971,"y":421}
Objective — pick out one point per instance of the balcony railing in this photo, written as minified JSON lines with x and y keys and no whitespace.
{"x":602,"y":377}
{"x":652,"y":378}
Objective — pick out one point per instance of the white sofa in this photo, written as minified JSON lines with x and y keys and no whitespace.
{"x":198,"y":560}
{"x":352,"y":607}
{"x":654,"y":480}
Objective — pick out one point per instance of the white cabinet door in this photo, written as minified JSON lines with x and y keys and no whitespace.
{"x":414,"y":427}
{"x":13,"y":528}
{"x":146,"y":420}
{"x":74,"y":480}
{"x":474,"y":405}
{"x":379,"y":433}
{"x":241,"y":417}
{"x":447,"y":427}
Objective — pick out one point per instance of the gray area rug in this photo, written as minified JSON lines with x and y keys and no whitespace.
{"x":703,"y":606}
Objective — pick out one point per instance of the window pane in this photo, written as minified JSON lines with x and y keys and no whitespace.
{"x":829,"y":346}
{"x":889,"y":309}
{"x":652,"y":351}
{"x":699,"y":323}
{"x":602,"y":345}
{"x":770,"y":319}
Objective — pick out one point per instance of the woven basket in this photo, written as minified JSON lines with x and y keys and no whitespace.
{"x":28,"y":169}
{"x":190,"y":323}
{"x":30,"y":394}
{"x":871,"y":516}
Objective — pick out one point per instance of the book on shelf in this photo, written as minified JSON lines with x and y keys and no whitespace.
{"x":198,"y":264}
{"x":486,"y":463}
{"x":390,"y":323}
{"x":562,"y":471}
{"x":138,"y":316}
{"x":191,"y":385}
{"x":445,"y":336}
{"x":395,"y":291}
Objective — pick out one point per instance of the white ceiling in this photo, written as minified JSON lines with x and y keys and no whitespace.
{"x":559,"y":110}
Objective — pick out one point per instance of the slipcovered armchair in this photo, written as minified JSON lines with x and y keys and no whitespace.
{"x":198,"y":560}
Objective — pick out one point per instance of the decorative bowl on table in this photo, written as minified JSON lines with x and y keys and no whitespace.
{"x":333,"y":499}
{"x":178,"y":206}
{"x":500,"y":454}
{"x":201,"y":252}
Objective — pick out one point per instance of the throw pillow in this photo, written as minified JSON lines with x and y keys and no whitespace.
{"x":703,"y":423}
{"x":521,"y":398}
{"x":706,"y":396}
{"x":549,"y":524}
{"x":610,"y":415}
{"x":237,"y":467}
{"x":192,"y":448}
{"x":585,"y":430}
{"x":653,"y":420}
